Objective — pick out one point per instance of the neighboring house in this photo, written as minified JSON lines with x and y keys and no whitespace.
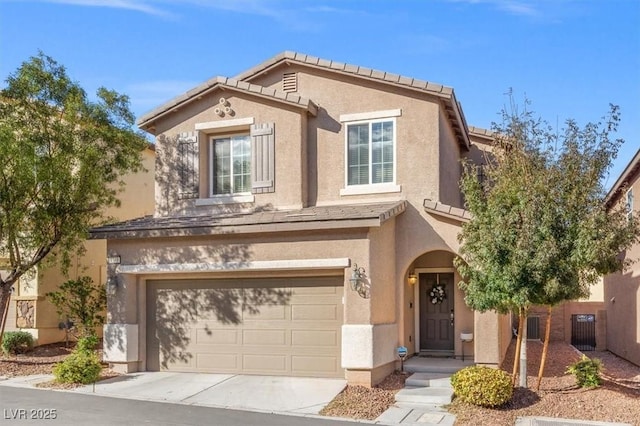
{"x":622,"y":290}
{"x":273,"y":190}
{"x":29,"y":308}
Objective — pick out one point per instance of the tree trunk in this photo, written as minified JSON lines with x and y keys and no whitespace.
{"x":547,"y":333}
{"x":523,"y":349}
{"x":516,"y":355}
{"x":5,"y":298}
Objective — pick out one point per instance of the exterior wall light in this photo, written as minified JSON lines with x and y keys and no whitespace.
{"x":358,"y":282}
{"x":412,"y":279}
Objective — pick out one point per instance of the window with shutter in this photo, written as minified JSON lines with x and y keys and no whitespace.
{"x":230,"y":165}
{"x":188,"y":173}
{"x":262,"y":158}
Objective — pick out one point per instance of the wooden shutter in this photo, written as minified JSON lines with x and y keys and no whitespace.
{"x":262,"y":158}
{"x":188,"y":165}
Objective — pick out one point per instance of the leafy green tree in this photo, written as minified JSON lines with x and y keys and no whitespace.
{"x":82,"y":302}
{"x":63,"y":156}
{"x":540,"y":232}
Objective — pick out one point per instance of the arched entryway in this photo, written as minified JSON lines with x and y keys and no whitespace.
{"x":440,"y":315}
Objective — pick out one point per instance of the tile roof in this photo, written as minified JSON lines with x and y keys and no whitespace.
{"x":230,"y":84}
{"x":452,"y":106}
{"x":319,"y":217}
{"x":445,"y":210}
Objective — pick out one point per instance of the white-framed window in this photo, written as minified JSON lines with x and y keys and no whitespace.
{"x":630,"y":203}
{"x":370,"y":152}
{"x":230,"y":165}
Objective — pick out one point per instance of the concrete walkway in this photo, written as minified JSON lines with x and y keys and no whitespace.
{"x":279,"y":395}
{"x":293,"y":395}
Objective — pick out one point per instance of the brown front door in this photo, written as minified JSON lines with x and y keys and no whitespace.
{"x":436,"y":312}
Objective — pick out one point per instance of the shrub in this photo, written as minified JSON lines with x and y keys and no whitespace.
{"x":586,"y":371}
{"x":80,"y":367}
{"x":88,"y":343}
{"x":17,"y":342}
{"x":483,"y":386}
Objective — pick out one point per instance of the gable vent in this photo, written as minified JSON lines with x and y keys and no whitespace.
{"x":290,"y":82}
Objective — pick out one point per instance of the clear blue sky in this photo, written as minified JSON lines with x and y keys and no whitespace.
{"x":571,"y":58}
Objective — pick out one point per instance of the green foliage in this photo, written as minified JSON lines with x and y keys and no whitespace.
{"x":483,"y":386}
{"x":587,"y":372}
{"x":541,"y":231}
{"x":80,"y":367}
{"x":82,"y":302}
{"x":88,"y":343}
{"x":16,"y":342}
{"x":63,"y":157}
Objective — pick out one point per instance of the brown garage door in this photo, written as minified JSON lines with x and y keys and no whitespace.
{"x":283,"y":326}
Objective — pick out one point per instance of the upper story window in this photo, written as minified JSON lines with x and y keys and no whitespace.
{"x":370,"y":152}
{"x":630,"y":203}
{"x":238,"y":157}
{"x":370,"y":158}
{"x":230,"y":165}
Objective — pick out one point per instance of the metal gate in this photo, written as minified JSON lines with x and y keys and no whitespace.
{"x":583,"y":332}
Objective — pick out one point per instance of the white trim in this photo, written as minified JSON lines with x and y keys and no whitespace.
{"x":385,"y":185}
{"x":361,"y":116}
{"x":212,"y":142}
{"x":376,"y":188}
{"x":225,"y":124}
{"x":225,"y":199}
{"x":258,"y":265}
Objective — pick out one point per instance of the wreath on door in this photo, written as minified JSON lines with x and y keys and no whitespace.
{"x":437,"y":294}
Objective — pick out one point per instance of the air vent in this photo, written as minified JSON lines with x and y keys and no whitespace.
{"x":290,"y":82}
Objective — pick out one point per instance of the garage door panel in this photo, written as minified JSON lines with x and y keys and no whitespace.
{"x":314,"y":365}
{"x":222,"y":362}
{"x":264,"y":337}
{"x":217,"y":337}
{"x":314,"y":312}
{"x":326,"y":338}
{"x":265,"y":312}
{"x":265,"y":363}
{"x":280,"y":326}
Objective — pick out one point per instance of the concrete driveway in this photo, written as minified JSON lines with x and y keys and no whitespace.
{"x":257,"y":393}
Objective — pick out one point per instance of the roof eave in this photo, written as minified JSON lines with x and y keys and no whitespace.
{"x":632,"y":168}
{"x":146,"y":121}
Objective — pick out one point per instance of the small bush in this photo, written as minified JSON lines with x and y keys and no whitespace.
{"x":483,"y":386}
{"x":587,"y":372}
{"x":88,"y":343}
{"x":16,"y":342}
{"x":79,"y":367}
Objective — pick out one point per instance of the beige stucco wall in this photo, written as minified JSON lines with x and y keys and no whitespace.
{"x":449,"y":164}
{"x":290,"y":151}
{"x":622,"y":296}
{"x":417,"y":133}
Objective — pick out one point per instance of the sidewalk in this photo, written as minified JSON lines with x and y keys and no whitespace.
{"x":279,"y":395}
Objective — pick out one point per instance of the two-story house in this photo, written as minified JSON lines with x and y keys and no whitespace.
{"x":622,"y":289}
{"x":306,"y":222}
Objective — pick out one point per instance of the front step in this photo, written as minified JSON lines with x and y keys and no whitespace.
{"x":433,"y":380}
{"x":441,"y":366}
{"x":425,"y":396}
